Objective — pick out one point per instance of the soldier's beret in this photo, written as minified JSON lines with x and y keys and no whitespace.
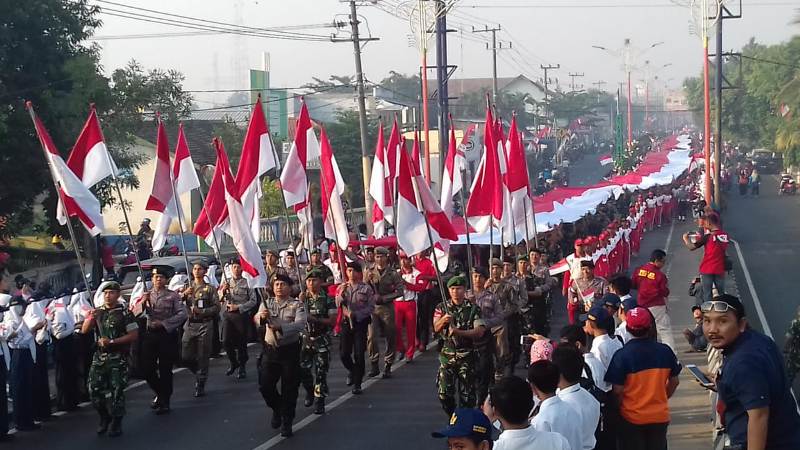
{"x":482,"y":271}
{"x":315,"y":251}
{"x":160,"y":271}
{"x":382,"y":251}
{"x":495,"y":262}
{"x":316,"y":273}
{"x":282,"y":277}
{"x":111,"y":286}
{"x":273,"y":253}
{"x":201,"y":263}
{"x":522,"y":258}
{"x":355,"y":266}
{"x":456,"y":281}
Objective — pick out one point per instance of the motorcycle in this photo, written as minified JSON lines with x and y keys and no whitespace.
{"x":787,"y":185}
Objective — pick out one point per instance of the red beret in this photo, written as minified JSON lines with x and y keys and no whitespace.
{"x":578,"y":242}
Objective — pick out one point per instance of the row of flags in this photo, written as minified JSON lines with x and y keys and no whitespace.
{"x":499,"y":197}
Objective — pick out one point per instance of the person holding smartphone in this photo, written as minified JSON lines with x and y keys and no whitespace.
{"x":759,"y":411}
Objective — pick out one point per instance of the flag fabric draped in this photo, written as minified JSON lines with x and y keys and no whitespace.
{"x":379,"y":188}
{"x":304,"y":148}
{"x":258,"y":157}
{"x":246,"y":245}
{"x":485,"y":203}
{"x":78,"y":200}
{"x":183,"y":171}
{"x":332,"y":189}
{"x":89,"y":158}
{"x":306,"y":225}
{"x":161,"y":195}
{"x":518,"y":182}
{"x":213,"y":218}
{"x":415,"y":203}
{"x":452,"y":182}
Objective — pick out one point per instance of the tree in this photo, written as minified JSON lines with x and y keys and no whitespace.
{"x":335,"y":83}
{"x":405,"y":88}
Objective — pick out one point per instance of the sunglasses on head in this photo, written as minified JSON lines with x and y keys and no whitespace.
{"x":716,"y":306}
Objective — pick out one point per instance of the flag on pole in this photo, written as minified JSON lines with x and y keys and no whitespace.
{"x":379,"y":188}
{"x":332,"y":189}
{"x":161,"y":194}
{"x":213,"y":218}
{"x":393,"y":155}
{"x":452,"y":182}
{"x":258,"y":157}
{"x":606,"y":160}
{"x":89,"y":158}
{"x":78,"y":199}
{"x":304,"y":148}
{"x":485,"y":203}
{"x":249,"y":253}
{"x":306,"y":225}
{"x":506,"y":223}
{"x":518,"y":181}
{"x":183,"y":171}
{"x":415,"y":202}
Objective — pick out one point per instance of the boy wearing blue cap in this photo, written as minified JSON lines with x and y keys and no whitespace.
{"x":469,"y":429}
{"x":599,"y":323}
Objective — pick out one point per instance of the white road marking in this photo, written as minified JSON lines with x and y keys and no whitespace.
{"x":275,"y":440}
{"x":753,"y":293}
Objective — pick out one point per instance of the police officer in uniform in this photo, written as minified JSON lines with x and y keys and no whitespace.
{"x":315,"y":354}
{"x":240,"y":302}
{"x":356,"y":300}
{"x":203,"y":305}
{"x":280,"y":319}
{"x":271,"y":264}
{"x":509,"y":300}
{"x":389,"y":285}
{"x":165,"y":314}
{"x":108,"y":375}
{"x":459,"y":323}
{"x":492,"y":315}
{"x":541,"y":298}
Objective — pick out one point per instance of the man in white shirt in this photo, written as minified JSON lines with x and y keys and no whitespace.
{"x":598,"y":324}
{"x":574,"y":336}
{"x":620,"y":285}
{"x":510,"y":401}
{"x":23,"y":355}
{"x":552,"y":414}
{"x":622,"y":331}
{"x":570,"y":364}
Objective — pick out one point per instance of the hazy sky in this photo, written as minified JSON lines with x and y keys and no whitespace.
{"x":542,"y":32}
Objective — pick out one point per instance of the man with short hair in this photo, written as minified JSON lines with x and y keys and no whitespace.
{"x":389,"y":286}
{"x":316,"y":340}
{"x":510,"y":403}
{"x":508,"y":297}
{"x":203,"y":304}
{"x":694,"y":336}
{"x":240,"y":303}
{"x":570,"y":365}
{"x":622,"y":331}
{"x":644,"y":375}
{"x":356,"y":299}
{"x":715,"y":243}
{"x":584,"y":290}
{"x":759,"y":409}
{"x":272,"y":267}
{"x":485,"y":346}
{"x":552,"y":413}
{"x":599,"y":323}
{"x":405,"y":308}
{"x":541,"y":301}
{"x":652,"y":287}
{"x":469,"y":429}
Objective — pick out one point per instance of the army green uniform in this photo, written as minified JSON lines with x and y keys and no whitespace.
{"x":388,"y":284}
{"x":198,"y":332}
{"x":541,"y":306}
{"x":792,"y":349}
{"x":457,"y":359}
{"x":108,"y":374}
{"x":327,"y":275}
{"x":508,"y":296}
{"x":316,"y":339}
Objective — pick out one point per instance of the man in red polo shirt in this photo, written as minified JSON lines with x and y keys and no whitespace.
{"x":712,"y":266}
{"x":653,"y":289}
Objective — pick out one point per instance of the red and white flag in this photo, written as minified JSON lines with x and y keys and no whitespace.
{"x":213,"y":218}
{"x":485,"y":204}
{"x":452,"y":182}
{"x":161,"y":198}
{"x":518,"y":182}
{"x":258,"y":157}
{"x":249,"y":253}
{"x":183,"y":171}
{"x":77,"y":198}
{"x":606,"y":160}
{"x":304,"y":148}
{"x":332,"y":188}
{"x":306,"y":225}
{"x":89,"y":158}
{"x":415,"y":202}
{"x":379,"y":188}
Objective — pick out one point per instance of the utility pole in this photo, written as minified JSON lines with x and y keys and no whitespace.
{"x":546,"y":91}
{"x":362,"y":107}
{"x":573,"y":75}
{"x":494,"y":49}
{"x":442,"y":75}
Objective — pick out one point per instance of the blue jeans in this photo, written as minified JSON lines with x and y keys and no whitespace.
{"x":709,"y":281}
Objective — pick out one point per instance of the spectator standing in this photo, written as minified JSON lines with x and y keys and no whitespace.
{"x":759,"y":411}
{"x":653,"y":288}
{"x":570,"y":365}
{"x":599,"y":323}
{"x":715,"y":243}
{"x":552,"y":413}
{"x":644,"y":375}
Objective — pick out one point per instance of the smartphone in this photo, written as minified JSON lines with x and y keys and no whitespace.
{"x":525,"y":340}
{"x":701,"y":377}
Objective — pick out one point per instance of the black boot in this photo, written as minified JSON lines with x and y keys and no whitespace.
{"x":200,"y":389}
{"x":242,"y":373}
{"x":387,"y":372}
{"x":373,"y":371}
{"x":286,"y":428}
{"x":231,"y":369}
{"x":319,"y":405}
{"x":309,"y":398}
{"x":349,"y":380}
{"x":116,"y":427}
{"x":276,"y":421}
{"x":105,"y":421}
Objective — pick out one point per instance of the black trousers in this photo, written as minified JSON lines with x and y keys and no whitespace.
{"x":159,"y":353}
{"x":484,"y":370}
{"x":41,"y":385}
{"x":282,"y":365}
{"x":66,"y":359}
{"x":3,"y":396}
{"x":234,"y":337}
{"x":352,"y":348}
{"x":426,"y":303}
{"x":22,"y":386}
{"x":643,"y":437}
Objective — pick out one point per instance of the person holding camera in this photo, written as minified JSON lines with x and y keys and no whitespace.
{"x":715,"y":244}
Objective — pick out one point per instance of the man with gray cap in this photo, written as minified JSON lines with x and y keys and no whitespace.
{"x":389,"y":285}
{"x":203,"y":303}
{"x":508,"y":297}
{"x":240,"y":301}
{"x":485,"y":346}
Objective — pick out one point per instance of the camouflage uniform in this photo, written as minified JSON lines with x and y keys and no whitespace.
{"x":327,"y":275}
{"x":792,"y":349}
{"x":541,"y":305}
{"x":491,"y":313}
{"x":457,"y":359}
{"x":507,"y":345}
{"x":316,"y":339}
{"x":108,"y":374}
{"x":387,"y":283}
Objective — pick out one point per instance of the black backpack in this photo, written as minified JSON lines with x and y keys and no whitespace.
{"x":588,"y":384}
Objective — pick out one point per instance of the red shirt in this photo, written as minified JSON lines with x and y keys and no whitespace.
{"x":426,"y":269}
{"x":716,"y":244}
{"x":651,"y":284}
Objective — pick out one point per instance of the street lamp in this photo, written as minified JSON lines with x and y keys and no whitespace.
{"x":649,"y":72}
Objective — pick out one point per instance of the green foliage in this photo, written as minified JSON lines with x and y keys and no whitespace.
{"x":574,"y":105}
{"x":271,"y":199}
{"x":406,"y":88}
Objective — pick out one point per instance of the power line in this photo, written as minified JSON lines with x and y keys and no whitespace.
{"x":768,"y":61}
{"x":603,"y":5}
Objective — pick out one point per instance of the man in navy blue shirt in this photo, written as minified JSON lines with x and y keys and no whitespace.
{"x":759,"y":412}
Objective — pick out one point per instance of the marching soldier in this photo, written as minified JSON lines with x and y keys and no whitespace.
{"x":541,"y":301}
{"x":508,"y":297}
{"x":459,"y":323}
{"x":293,"y":270}
{"x":203,"y":304}
{"x":165,"y":313}
{"x":389,"y":285}
{"x":280,"y":319}
{"x":315,"y":354}
{"x":357,"y":302}
{"x":491,"y":313}
{"x":316,"y":263}
{"x":240,"y":301}
{"x":271,"y":259}
{"x":108,"y":375}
